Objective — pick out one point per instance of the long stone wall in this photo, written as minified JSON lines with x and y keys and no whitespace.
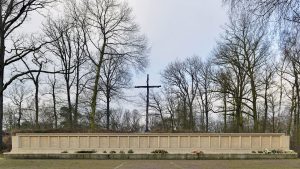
{"x":145,"y":143}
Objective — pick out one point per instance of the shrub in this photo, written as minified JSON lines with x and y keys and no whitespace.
{"x":86,"y":151}
{"x":104,"y":152}
{"x":130,"y":151}
{"x":266,"y":151}
{"x":122,"y":152}
{"x":112,"y":152}
{"x":273,"y":151}
{"x":289,"y":151}
{"x":280,"y":151}
{"x":260,"y":152}
{"x":254,"y":152}
{"x":64,"y":152}
{"x":198,"y":152}
{"x":6,"y":147}
{"x":159,"y":152}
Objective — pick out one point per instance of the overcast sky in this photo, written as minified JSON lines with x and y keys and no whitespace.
{"x":177,"y":29}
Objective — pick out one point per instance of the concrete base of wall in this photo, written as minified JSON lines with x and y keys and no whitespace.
{"x":152,"y":156}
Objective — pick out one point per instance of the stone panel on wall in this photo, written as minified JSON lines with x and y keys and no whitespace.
{"x":246,"y":142}
{"x":153,"y":142}
{"x":214,"y":142}
{"x":265,"y":142}
{"x":74,"y":142}
{"x":163,"y":142}
{"x":184,"y":142}
{"x":94,"y":142}
{"x":54,"y":142}
{"x":124,"y":142}
{"x":134,"y":142}
{"x":235,"y":142}
{"x":174,"y":142}
{"x":275,"y":142}
{"x":255,"y":143}
{"x":224,"y":142}
{"x":44,"y":142}
{"x":64,"y":142}
{"x":25,"y":142}
{"x":34,"y":142}
{"x":204,"y":142}
{"x":143,"y":142}
{"x":195,"y":143}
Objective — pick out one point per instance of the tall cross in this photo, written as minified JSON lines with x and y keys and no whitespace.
{"x":147,"y":105}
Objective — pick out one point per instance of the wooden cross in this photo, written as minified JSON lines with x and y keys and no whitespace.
{"x":147,"y":104}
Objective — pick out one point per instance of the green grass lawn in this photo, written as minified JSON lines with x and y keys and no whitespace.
{"x":140,"y":164}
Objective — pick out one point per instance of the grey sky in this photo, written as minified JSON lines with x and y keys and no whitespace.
{"x":177,"y":29}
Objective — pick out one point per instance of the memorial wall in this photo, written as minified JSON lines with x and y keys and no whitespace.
{"x":145,"y":143}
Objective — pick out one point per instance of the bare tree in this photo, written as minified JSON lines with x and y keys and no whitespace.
{"x":18,"y":95}
{"x":115,"y":77}
{"x":69,"y":46}
{"x":279,"y":9}
{"x":112,"y":29}
{"x":53,"y":85}
{"x":39,"y":61}
{"x":13,"y":15}
{"x":291,"y":51}
{"x":247,"y":42}
{"x":156,"y":103}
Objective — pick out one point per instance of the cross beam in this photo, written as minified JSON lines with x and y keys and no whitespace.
{"x":148,"y":87}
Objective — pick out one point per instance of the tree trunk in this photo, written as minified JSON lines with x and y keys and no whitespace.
{"x":191,"y":119}
{"x":292,"y":109}
{"x":254,"y":105}
{"x":206,"y":109}
{"x":2,"y":55}
{"x":297,"y":125}
{"x":95,"y":89}
{"x":36,"y":104}
{"x":185,"y":126}
{"x":107,"y":110}
{"x":70,"y":109}
{"x":20,"y":115}
{"x":225,"y":112}
{"x":266,"y":107}
{"x":1,"y":94}
{"x":54,"y":106}
{"x":77,"y":95}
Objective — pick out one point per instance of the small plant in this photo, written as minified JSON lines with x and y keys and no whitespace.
{"x":198,"y":152}
{"x":266,"y":151}
{"x":274,"y":151}
{"x":289,"y":151}
{"x":159,"y":152}
{"x":112,"y":152}
{"x":122,"y":152}
{"x":64,"y":152}
{"x":86,"y":151}
{"x":260,"y":152}
{"x":130,"y":151}
{"x":104,"y":152}
{"x":254,"y":152}
{"x":280,"y":151}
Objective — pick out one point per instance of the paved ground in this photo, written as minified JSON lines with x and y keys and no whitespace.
{"x":97,"y":164}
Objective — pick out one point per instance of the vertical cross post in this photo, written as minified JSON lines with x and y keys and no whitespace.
{"x":147,"y":101}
